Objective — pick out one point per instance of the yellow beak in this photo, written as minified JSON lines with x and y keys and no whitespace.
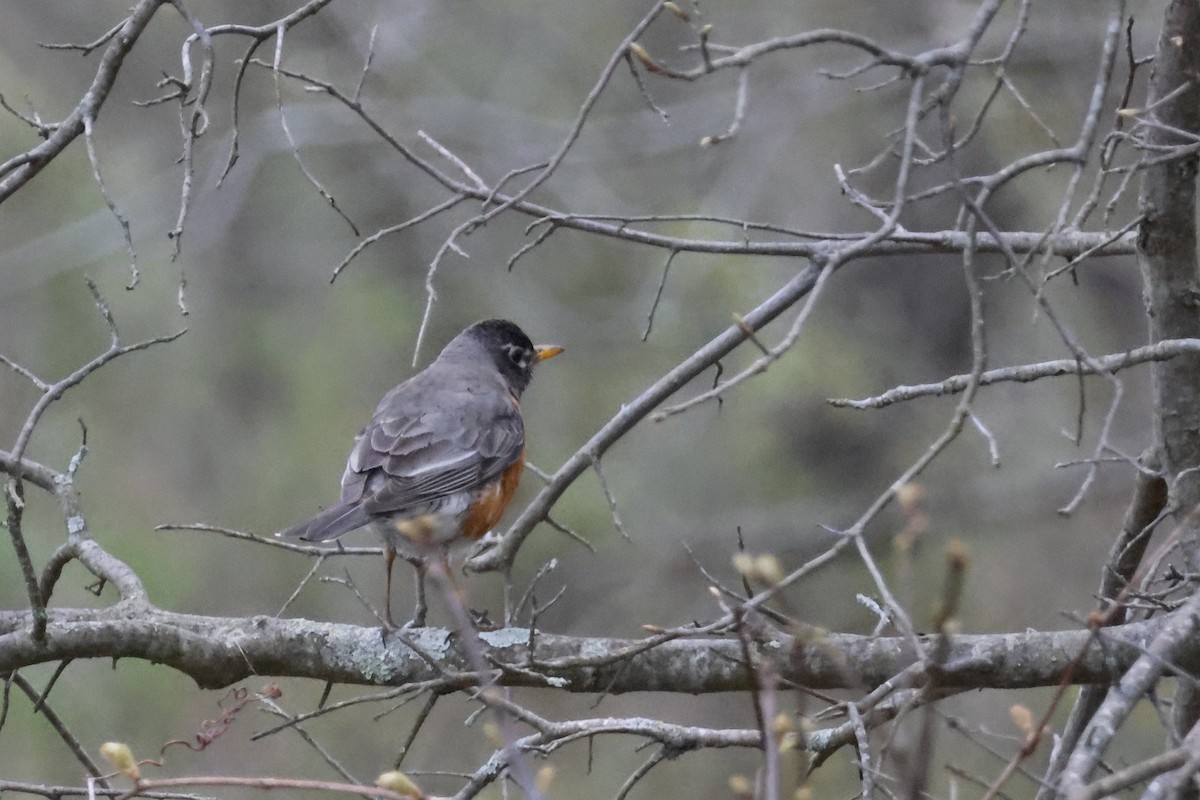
{"x":545,"y":351}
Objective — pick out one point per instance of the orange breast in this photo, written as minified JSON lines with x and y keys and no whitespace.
{"x":489,"y":506}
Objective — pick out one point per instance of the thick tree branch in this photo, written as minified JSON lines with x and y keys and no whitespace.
{"x":219,"y":651}
{"x":1167,"y":256}
{"x":1167,"y":249}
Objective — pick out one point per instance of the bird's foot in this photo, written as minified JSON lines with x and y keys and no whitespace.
{"x":483,"y":621}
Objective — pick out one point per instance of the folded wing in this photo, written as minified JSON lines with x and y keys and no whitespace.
{"x":403,"y":462}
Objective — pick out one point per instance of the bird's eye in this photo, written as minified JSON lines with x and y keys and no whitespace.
{"x":519,"y":356}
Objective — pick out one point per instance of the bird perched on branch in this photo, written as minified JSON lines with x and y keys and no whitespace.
{"x":440,"y":460}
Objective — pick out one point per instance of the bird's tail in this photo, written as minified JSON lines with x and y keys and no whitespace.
{"x":329,"y":524}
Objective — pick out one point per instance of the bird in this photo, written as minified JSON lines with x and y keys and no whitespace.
{"x":442,"y":456}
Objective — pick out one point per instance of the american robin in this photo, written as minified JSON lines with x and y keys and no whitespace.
{"x":441,"y":458}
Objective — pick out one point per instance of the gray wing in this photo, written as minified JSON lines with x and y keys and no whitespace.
{"x":464,"y":437}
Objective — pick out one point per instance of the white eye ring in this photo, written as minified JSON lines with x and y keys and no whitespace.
{"x":518,"y":355}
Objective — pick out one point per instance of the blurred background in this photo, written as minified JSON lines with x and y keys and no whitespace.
{"x":246,"y":421}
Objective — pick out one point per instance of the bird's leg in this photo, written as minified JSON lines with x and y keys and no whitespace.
{"x":419,"y":532}
{"x":418,"y":620}
{"x":389,"y":556}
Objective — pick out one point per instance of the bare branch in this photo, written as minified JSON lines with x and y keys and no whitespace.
{"x":1026,"y":373}
{"x":86,"y":49}
{"x":108,"y":200}
{"x":19,"y":170}
{"x":287,"y":132}
{"x":629,"y":416}
{"x":64,"y":733}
